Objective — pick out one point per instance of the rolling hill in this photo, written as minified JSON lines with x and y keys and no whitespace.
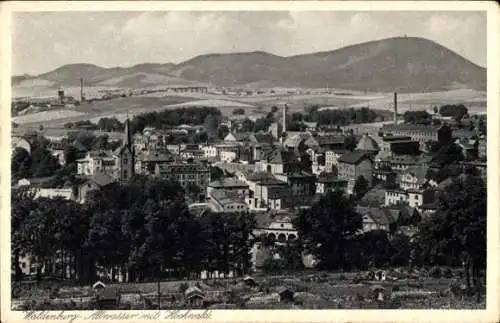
{"x":405,"y":64}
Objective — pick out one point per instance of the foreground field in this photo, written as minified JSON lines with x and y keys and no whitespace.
{"x":313,"y":290}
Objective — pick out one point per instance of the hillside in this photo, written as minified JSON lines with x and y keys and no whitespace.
{"x":404,"y":64}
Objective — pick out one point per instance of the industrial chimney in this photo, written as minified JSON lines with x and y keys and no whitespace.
{"x":81,"y":90}
{"x":285,"y":108}
{"x":60,"y":95}
{"x":395,"y":108}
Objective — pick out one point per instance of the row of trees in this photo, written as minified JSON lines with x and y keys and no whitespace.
{"x":457,"y":231}
{"x":142,"y":229}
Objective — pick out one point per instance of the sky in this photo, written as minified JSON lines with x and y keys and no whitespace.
{"x":43,"y":41}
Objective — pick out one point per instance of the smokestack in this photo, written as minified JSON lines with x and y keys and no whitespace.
{"x":81,"y":90}
{"x":395,"y":108}
{"x":285,"y":108}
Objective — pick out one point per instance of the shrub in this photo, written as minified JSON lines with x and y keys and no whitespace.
{"x":395,"y":288}
{"x":342,"y":277}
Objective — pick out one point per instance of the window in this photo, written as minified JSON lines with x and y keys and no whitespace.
{"x":125,"y":174}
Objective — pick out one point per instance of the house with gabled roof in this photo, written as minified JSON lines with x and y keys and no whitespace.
{"x":353,"y":165}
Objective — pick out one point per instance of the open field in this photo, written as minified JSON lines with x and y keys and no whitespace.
{"x":120,"y":107}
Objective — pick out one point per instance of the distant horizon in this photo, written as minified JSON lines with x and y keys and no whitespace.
{"x":235,"y":53}
{"x":44,"y":41}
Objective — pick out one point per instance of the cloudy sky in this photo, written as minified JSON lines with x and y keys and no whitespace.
{"x":44,"y":41}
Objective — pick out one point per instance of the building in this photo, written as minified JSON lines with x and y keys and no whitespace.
{"x":411,"y":197}
{"x":328,"y":182}
{"x":125,"y":156}
{"x":146,"y":162}
{"x":332,"y":159}
{"x":227,"y":202}
{"x":57,"y":150}
{"x":368,"y":145}
{"x":266,"y":191}
{"x":96,"y":162}
{"x":375,"y":218}
{"x":481,"y":148}
{"x":229,"y":184}
{"x":401,"y":162}
{"x":399,"y":145}
{"x":413,"y":177}
{"x":185,"y":174}
{"x":95,"y":182}
{"x":353,"y":165}
{"x":420,"y":133}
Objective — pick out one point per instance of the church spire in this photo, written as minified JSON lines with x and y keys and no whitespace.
{"x":127,"y":140}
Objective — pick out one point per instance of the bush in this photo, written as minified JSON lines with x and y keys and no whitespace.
{"x":395,"y":288}
{"x":342,"y":277}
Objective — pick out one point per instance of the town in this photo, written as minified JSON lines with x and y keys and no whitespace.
{"x":188,"y":208}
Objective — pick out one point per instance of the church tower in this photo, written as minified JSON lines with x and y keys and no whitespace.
{"x":126,"y":156}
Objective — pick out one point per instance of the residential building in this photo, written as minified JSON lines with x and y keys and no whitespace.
{"x":146,"y":162}
{"x":225,"y":202}
{"x":185,"y":174}
{"x":57,"y":150}
{"x":411,"y":197}
{"x":96,"y":162}
{"x":368,"y":145}
{"x":229,"y":184}
{"x":328,"y":182}
{"x":413,"y":177}
{"x":374,"y":218}
{"x":353,"y":165}
{"x":96,"y":181}
{"x":228,"y":156}
{"x":401,"y":162}
{"x":332,"y":159}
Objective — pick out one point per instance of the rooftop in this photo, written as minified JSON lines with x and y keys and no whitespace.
{"x":227,"y":182}
{"x":353,"y":157}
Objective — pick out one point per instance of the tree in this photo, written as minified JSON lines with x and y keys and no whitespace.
{"x":361,"y":187}
{"x":274,"y":109}
{"x":223,"y":132}
{"x":328,"y":228}
{"x":238,"y":112}
{"x":400,"y":250}
{"x":452,"y":110}
{"x":351,"y":142}
{"x":459,"y":232}
{"x":20,"y":164}
{"x":211,"y":125}
{"x":216,"y":173}
{"x":417,"y":117}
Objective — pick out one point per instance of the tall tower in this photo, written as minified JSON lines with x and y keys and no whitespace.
{"x":395,"y":108}
{"x":82,"y":98}
{"x":285,"y":108}
{"x":126,"y":156}
{"x":60,"y":95}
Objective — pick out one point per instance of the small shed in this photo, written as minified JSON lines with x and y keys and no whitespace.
{"x":193,"y":296}
{"x":285,"y":294}
{"x":108,"y":299}
{"x":98,"y":285}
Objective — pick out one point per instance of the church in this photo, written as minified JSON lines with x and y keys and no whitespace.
{"x":125,"y":157}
